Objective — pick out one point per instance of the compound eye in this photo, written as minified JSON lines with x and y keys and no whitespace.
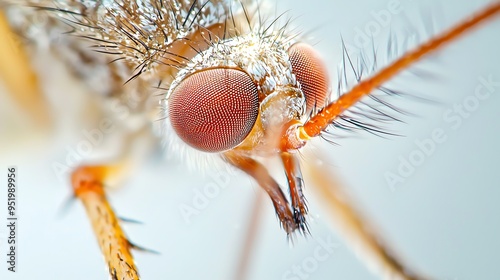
{"x":311,"y":73}
{"x":214,"y":110}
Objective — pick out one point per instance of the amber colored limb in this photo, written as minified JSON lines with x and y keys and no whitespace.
{"x":319,"y":122}
{"x":355,"y":230}
{"x":18,"y":76}
{"x":295,"y":183}
{"x":88,"y":182}
{"x":264,"y":179}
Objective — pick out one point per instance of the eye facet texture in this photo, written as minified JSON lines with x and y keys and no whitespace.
{"x":311,"y":73}
{"x":214,"y":110}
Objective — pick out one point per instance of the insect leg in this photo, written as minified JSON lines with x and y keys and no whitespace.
{"x":18,"y":76}
{"x":250,"y":240}
{"x":295,"y":183}
{"x":357,"y":232}
{"x":88,"y":184}
{"x":262,"y":176}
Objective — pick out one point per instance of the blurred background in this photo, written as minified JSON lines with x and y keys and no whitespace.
{"x":442,"y":217}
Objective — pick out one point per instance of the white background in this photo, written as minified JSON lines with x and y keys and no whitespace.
{"x":443,"y":218}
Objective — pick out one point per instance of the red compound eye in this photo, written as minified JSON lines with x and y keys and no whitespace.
{"x":311,"y":73}
{"x":214,"y":110}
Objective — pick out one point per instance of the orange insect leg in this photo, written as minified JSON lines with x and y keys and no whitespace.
{"x":88,"y":184}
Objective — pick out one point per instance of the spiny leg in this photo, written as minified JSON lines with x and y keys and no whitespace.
{"x":260,"y":174}
{"x":88,"y":184}
{"x":296,"y":183}
{"x":357,"y":232}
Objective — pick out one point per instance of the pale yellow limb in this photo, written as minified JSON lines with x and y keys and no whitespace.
{"x":18,"y":76}
{"x":351,"y":226}
{"x":251,"y":234}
